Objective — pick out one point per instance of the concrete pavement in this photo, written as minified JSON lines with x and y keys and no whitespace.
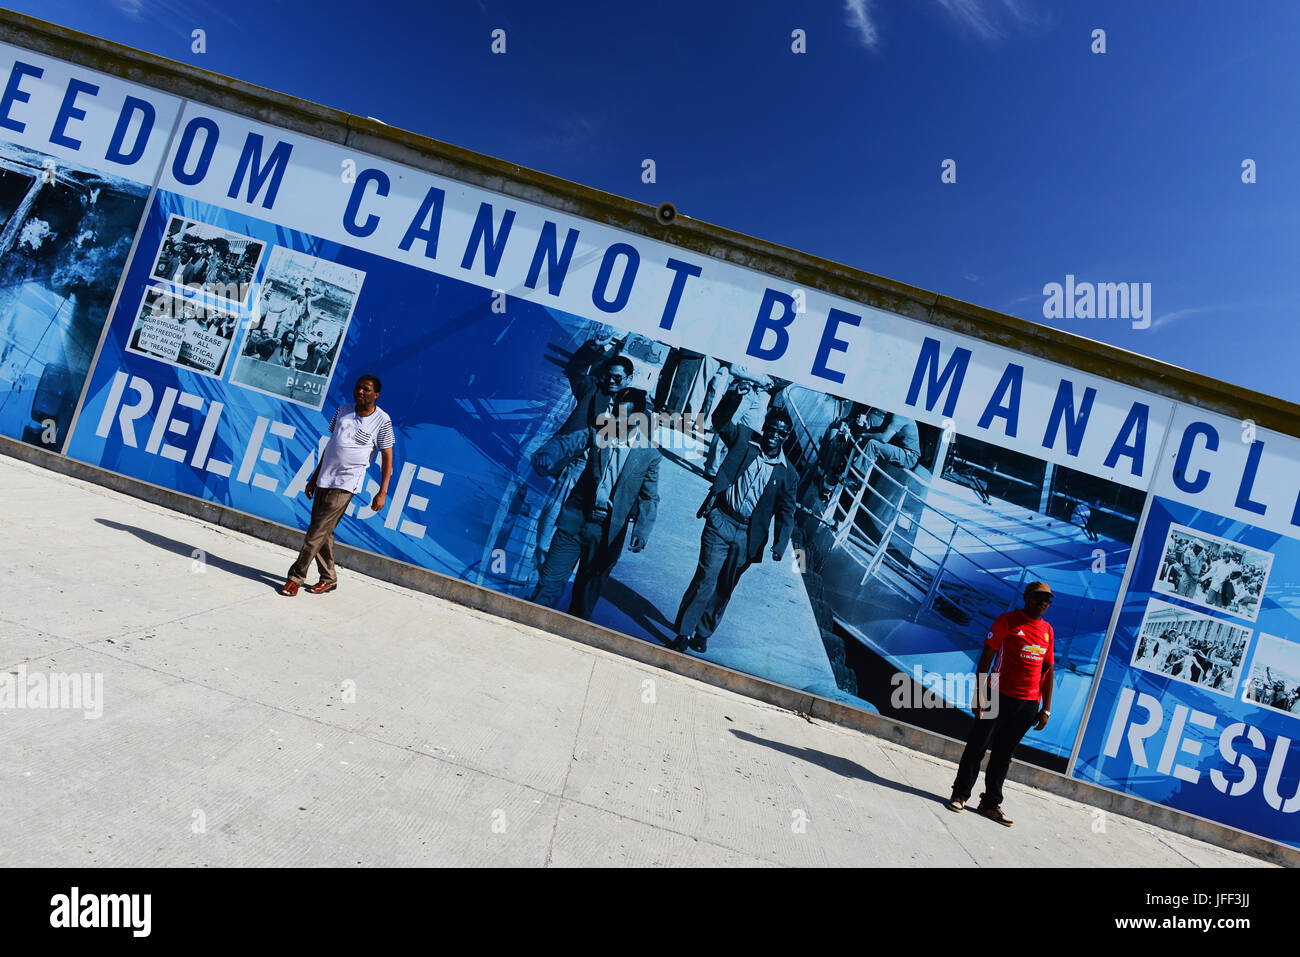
{"x":379,"y":726}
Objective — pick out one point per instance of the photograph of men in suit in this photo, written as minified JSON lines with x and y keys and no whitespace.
{"x":584,"y":366}
{"x":618,"y":485}
{"x":595,"y":392}
{"x":744,"y":403}
{"x":754,"y":485}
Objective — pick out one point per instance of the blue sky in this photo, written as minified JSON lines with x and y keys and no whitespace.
{"x":1117,"y":167}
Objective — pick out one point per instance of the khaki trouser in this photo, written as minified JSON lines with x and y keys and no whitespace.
{"x":326,"y":510}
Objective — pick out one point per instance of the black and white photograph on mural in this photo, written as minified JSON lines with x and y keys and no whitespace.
{"x":1191,"y":647}
{"x":1212,"y":572}
{"x":899,"y":543}
{"x":183,"y":331}
{"x":194,"y":254}
{"x":691,"y":410}
{"x":300,"y":319}
{"x":1275,"y":675}
{"x":668,"y":394}
{"x":65,"y":232}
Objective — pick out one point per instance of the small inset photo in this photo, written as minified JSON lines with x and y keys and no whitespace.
{"x":1213,"y":572}
{"x":183,"y":331}
{"x":1275,"y":675}
{"x":1191,"y":647}
{"x":216,"y":261}
{"x":300,"y":321}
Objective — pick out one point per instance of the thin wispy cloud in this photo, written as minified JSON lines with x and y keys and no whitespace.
{"x":991,"y":20}
{"x":1164,"y":320}
{"x":180,"y":16}
{"x":1169,"y":318}
{"x":974,"y":16}
{"x":987,"y":20}
{"x":858,"y":14}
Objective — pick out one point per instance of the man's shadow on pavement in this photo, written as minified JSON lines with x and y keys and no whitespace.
{"x":680,"y":459}
{"x":640,"y":610}
{"x":188,"y":550}
{"x":836,"y":764}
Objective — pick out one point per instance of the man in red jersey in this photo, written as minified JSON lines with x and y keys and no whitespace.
{"x":1024,"y":678}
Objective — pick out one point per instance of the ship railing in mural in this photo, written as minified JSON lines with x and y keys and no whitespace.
{"x":904,"y":542}
{"x":946,"y":573}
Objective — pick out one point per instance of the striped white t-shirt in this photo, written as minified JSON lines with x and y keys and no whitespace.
{"x":354,"y":440}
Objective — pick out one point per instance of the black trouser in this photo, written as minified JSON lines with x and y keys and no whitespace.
{"x":1014,"y":718}
{"x":595,"y":559}
{"x":724,"y":556}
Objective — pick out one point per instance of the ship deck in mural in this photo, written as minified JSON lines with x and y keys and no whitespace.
{"x":911,"y":567}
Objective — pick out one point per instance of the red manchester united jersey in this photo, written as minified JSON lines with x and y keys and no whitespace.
{"x":1026,"y":648}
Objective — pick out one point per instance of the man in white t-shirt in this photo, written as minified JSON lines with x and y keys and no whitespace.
{"x":357,"y":433}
